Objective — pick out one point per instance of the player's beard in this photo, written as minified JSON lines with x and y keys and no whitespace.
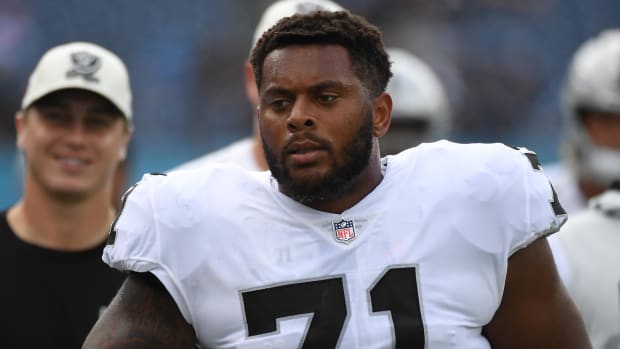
{"x":342,"y":174}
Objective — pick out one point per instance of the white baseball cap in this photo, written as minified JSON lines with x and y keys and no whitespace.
{"x":286,"y":8}
{"x":85,"y":66}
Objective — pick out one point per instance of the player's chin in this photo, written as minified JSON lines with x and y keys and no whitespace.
{"x":307,"y":176}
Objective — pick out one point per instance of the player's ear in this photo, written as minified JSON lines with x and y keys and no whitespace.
{"x":20,"y":128}
{"x":122,"y":155}
{"x":124,"y":144}
{"x":251,"y":91}
{"x":382,"y":114}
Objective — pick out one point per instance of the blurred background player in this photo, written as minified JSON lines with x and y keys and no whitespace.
{"x":590,"y":239}
{"x":591,"y":144}
{"x":591,"y":107}
{"x":585,"y":250}
{"x":421,"y":111}
{"x":248,"y":152}
{"x":73,"y":129}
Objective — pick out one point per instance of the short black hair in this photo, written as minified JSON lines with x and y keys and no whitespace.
{"x":362,"y":40}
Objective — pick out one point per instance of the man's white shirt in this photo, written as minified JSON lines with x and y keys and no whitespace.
{"x":422,"y":258}
{"x":591,"y":240}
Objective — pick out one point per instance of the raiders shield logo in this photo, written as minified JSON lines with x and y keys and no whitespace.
{"x":84,"y":64}
{"x":344,"y":231}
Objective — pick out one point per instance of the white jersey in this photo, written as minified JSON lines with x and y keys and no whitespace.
{"x":239,"y":152}
{"x":420,"y":261}
{"x":591,"y":240}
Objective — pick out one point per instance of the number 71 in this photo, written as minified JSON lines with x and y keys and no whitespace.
{"x":395,"y":291}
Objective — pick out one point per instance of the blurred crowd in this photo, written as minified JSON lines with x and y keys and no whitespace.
{"x":501,"y":61}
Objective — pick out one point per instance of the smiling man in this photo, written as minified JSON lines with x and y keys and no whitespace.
{"x":73,"y":130}
{"x":440,"y":246}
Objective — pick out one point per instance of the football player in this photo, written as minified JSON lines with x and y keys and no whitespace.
{"x":591,"y":239}
{"x":440,"y":246}
{"x":591,"y":143}
{"x":591,"y":106}
{"x":421,"y":111}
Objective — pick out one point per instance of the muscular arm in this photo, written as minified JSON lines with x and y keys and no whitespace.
{"x":142,"y":315}
{"x":536,"y":312}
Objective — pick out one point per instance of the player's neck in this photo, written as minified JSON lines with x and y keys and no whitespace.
{"x":67,"y":226}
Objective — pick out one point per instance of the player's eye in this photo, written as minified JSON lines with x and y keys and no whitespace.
{"x":98,"y":121}
{"x":326,"y":98}
{"x":279,"y":104}
{"x":55,"y":116}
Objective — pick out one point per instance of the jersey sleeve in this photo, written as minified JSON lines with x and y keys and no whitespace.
{"x":537,"y":203}
{"x":136,"y":242}
{"x":495,"y":196}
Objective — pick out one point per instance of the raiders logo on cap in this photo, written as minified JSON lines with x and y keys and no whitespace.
{"x":85,"y":65}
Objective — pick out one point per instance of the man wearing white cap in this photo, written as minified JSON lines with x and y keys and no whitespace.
{"x":73,"y":129}
{"x":248,"y":152}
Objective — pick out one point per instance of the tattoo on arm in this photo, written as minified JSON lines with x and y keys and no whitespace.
{"x":142,"y":315}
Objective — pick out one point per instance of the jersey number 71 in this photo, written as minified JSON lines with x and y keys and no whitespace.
{"x":395,"y":291}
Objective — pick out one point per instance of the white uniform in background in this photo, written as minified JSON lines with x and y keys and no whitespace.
{"x":591,"y":240}
{"x":250,"y":267}
{"x":591,"y":83}
{"x":239,"y":152}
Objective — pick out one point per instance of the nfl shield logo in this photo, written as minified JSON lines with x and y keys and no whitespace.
{"x":344,"y":231}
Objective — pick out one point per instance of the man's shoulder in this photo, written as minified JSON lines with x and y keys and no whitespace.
{"x":481,"y":172}
{"x":463,"y":158}
{"x":457,"y":148}
{"x":604,"y":207}
{"x":161,"y":205}
{"x":171,"y":194}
